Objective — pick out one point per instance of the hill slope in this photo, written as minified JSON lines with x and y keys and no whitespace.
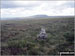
{"x":21,"y":36}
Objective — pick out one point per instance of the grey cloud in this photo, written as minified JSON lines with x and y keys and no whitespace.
{"x":65,"y":5}
{"x":69,"y":4}
{"x":10,"y":4}
{"x":7,"y":4}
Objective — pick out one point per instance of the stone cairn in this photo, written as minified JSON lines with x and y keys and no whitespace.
{"x":42,"y":34}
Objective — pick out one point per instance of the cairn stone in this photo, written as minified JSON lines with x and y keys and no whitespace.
{"x":42,"y":34}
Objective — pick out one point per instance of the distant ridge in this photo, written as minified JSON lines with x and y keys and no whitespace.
{"x":39,"y":16}
{"x":36,"y":17}
{"x":46,"y":16}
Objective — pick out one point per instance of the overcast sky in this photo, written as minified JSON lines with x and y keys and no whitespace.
{"x":11,"y":9}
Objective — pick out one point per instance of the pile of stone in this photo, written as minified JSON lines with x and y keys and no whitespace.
{"x":42,"y":34}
